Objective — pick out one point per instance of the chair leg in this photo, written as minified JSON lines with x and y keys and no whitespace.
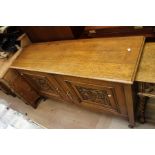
{"x":142,"y":108}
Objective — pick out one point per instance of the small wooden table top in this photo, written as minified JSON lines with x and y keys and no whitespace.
{"x":110,"y":59}
{"x":5,"y":63}
{"x":146,"y":71}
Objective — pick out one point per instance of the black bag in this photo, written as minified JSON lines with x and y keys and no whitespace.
{"x":8,"y":40}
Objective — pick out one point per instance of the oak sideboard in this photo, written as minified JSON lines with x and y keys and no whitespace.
{"x":94,"y":73}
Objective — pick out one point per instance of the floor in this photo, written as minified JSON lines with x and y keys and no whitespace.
{"x":54,"y":115}
{"x":12,"y":119}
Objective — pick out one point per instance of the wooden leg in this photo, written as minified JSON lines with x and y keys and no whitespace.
{"x":130,"y":105}
{"x":41,"y":98}
{"x":141,"y":108}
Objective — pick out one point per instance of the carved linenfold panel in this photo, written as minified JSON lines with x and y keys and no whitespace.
{"x":94,"y":95}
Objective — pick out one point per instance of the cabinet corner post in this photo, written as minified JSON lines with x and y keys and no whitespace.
{"x":129,"y":104}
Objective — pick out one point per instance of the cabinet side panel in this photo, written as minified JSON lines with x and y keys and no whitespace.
{"x":21,"y":88}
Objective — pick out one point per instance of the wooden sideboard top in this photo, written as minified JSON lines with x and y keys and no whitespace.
{"x":109,"y":59}
{"x":146,"y":71}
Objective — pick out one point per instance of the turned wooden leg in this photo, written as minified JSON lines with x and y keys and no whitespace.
{"x":142,"y":105}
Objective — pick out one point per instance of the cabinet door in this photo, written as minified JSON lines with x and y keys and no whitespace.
{"x":95,"y":94}
{"x":21,"y":88}
{"x":44,"y":84}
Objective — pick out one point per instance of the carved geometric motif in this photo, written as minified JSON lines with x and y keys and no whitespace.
{"x":94,"y":95}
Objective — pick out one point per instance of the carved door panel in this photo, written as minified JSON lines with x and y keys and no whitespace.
{"x":45,"y":84}
{"x":95,"y":94}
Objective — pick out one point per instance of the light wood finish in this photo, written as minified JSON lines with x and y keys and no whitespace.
{"x":108,"y":59}
{"x":146,"y":71}
{"x":97,"y":95}
{"x":21,"y":88}
{"x":130,"y":105}
{"x":94,"y":73}
{"x":25,"y":41}
{"x":5,"y":63}
{"x":12,"y":83}
{"x":45,"y":84}
{"x":94,"y":94}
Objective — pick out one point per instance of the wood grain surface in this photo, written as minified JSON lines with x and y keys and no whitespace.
{"x":5,"y":63}
{"x":146,"y":71}
{"x":109,"y":59}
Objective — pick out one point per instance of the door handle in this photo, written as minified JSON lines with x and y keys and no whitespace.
{"x":109,"y":95}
